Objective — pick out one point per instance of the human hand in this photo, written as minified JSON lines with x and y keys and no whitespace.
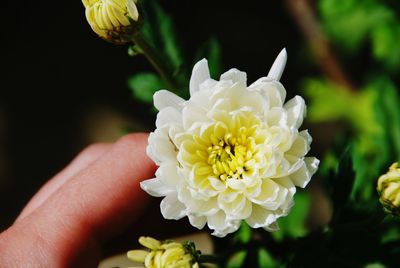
{"x":68,"y":220}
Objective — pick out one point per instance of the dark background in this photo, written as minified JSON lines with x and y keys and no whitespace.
{"x":58,"y":78}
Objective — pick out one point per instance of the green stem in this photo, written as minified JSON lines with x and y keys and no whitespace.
{"x":206,"y":258}
{"x":158,"y":63}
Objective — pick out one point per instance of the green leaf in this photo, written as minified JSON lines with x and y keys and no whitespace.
{"x":244,"y":233}
{"x":265,"y":260}
{"x":237,"y":259}
{"x":385,"y":43}
{"x":349,"y":22}
{"x":391,"y":234}
{"x":343,"y":181}
{"x":375,"y":265}
{"x":169,"y":38}
{"x":330,"y":102}
{"x":294,"y":225}
{"x":159,"y":29}
{"x":389,"y":113}
{"x":144,"y":85}
{"x":373,"y":154}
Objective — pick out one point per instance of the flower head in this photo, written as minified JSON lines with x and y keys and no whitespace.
{"x":165,"y":254}
{"x":389,"y":190}
{"x":112,"y":19}
{"x":232,"y":152}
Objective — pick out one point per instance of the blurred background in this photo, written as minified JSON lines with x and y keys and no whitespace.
{"x":63,"y":88}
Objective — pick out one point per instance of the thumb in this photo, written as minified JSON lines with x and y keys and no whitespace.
{"x":98,"y":202}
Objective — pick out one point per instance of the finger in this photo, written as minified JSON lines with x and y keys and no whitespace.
{"x":84,"y":159}
{"x":98,"y":202}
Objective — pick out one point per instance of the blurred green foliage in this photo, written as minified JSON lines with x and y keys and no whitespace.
{"x":352,"y":23}
{"x":294,"y":224}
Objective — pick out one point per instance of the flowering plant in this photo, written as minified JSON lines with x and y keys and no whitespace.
{"x":231,"y":152}
{"x":232,"y":156}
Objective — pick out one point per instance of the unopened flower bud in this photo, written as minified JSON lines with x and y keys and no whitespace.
{"x":389,"y":190}
{"x":165,"y":254}
{"x":112,"y":20}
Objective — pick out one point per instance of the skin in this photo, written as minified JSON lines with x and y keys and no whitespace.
{"x":97,"y":196}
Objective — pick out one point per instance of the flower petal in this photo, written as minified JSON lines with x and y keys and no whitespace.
{"x":269,"y":192}
{"x":171,"y":208}
{"x":160,"y":148}
{"x":221,"y":226}
{"x":137,"y":255}
{"x":235,"y":76}
{"x":167,"y":116}
{"x":167,"y":173}
{"x":296,"y":110}
{"x":278,"y":66}
{"x":260,"y":217}
{"x":303,"y":175}
{"x":196,"y":221}
{"x":273,"y":91}
{"x":301,"y":145}
{"x":164,"y":98}
{"x":200,"y":74}
{"x":155,"y":187}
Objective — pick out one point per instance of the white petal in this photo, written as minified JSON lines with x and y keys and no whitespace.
{"x":236,"y":184}
{"x":164,"y":98}
{"x":260,"y":217}
{"x":171,"y":208}
{"x":278,"y":66}
{"x":155,"y":187}
{"x":301,"y":145}
{"x":221,"y":226}
{"x":296,"y":111}
{"x":193,"y":116}
{"x":160,"y":148}
{"x":217,"y":184}
{"x":227,"y":196}
{"x":235,"y":76}
{"x":287,"y":183}
{"x":167,"y":173}
{"x":167,"y":116}
{"x":269,"y":192}
{"x":200,"y":74}
{"x":289,"y":168}
{"x":239,"y":209}
{"x":273,"y":91}
{"x":303,"y":175}
{"x":312,"y":164}
{"x":278,"y":202}
{"x":273,"y":227}
{"x":197,"y":222}
{"x":277,"y":117}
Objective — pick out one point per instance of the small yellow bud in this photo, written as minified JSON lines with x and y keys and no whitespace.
{"x":389,"y":190}
{"x":112,"y":19}
{"x":165,"y":254}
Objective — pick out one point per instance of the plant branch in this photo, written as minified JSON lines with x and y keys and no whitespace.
{"x":305,"y":18}
{"x":158,"y":63}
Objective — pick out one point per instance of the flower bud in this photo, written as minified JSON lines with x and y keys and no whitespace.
{"x":165,"y":254}
{"x":112,"y":20}
{"x":389,"y":190}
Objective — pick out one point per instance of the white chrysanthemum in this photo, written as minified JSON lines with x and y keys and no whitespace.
{"x":232,"y":152}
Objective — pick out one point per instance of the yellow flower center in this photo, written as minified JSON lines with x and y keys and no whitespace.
{"x":226,"y":149}
{"x":231,"y":155}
